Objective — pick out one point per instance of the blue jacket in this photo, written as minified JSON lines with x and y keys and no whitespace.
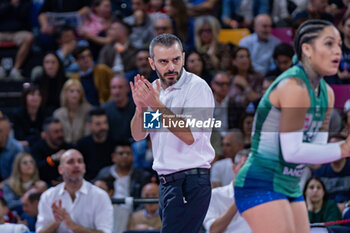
{"x":7,"y":156}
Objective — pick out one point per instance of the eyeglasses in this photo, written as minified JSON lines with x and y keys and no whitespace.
{"x":27,"y":162}
{"x":208,"y":30}
{"x":221,"y":84}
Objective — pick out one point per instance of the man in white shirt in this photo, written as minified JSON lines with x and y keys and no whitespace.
{"x":74,"y":205}
{"x":221,"y":172}
{"x":222,"y":214}
{"x":182,"y":155}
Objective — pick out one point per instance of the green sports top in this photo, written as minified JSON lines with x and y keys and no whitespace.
{"x":265,"y":168}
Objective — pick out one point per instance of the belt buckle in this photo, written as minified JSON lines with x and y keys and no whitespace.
{"x":162,"y":180}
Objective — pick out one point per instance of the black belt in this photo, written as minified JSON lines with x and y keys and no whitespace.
{"x":182,"y":174}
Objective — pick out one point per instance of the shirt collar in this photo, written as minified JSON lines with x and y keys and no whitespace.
{"x":147,"y":215}
{"x":87,"y":72}
{"x":83,"y":189}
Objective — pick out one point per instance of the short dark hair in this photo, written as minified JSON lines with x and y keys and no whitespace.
{"x":166,"y":40}
{"x":60,"y":30}
{"x":34,"y":197}
{"x":79,"y":50}
{"x":125,"y":25}
{"x":283,"y":49}
{"x":96,"y":112}
{"x":307,"y":32}
{"x":122,"y":144}
{"x":109,"y":181}
{"x":48,"y":121}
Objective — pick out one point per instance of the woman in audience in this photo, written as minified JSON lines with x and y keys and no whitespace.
{"x":177,"y":11}
{"x":344,"y":68}
{"x":216,"y":54}
{"x":24,"y":176}
{"x":74,"y":110}
{"x":194,"y":63}
{"x":290,"y":130}
{"x":246,"y":128}
{"x":320,"y":208}
{"x":246,"y":85}
{"x":51,"y":81}
{"x":28,"y":119}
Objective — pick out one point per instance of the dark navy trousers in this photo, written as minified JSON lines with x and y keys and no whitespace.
{"x":183,"y":203}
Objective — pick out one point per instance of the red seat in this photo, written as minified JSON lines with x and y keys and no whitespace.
{"x":8,"y":44}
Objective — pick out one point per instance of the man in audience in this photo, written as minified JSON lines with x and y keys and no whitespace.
{"x":48,"y":151}
{"x":147,"y":218}
{"x":221,"y":171}
{"x":98,"y":146}
{"x":120,"y":109}
{"x":15,"y":27}
{"x":336,"y":177}
{"x":142,"y":67}
{"x":141,"y":23}
{"x":74,"y":205}
{"x":162,"y":24}
{"x":9,"y":148}
{"x":222,"y":215}
{"x":316,"y":10}
{"x":95,"y":79}
{"x":261,"y":44}
{"x":226,"y":108}
{"x":120,"y":53}
{"x":128,"y":180}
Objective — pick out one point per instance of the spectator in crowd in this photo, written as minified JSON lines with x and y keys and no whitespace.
{"x":9,"y":227}
{"x":119,"y":54}
{"x":252,"y":106}
{"x":246,"y":128}
{"x":335,"y":177}
{"x":30,"y":202}
{"x":316,"y":10}
{"x":120,"y":109}
{"x":120,"y":213}
{"x":142,"y":67}
{"x":239,"y":14}
{"x":141,"y":23}
{"x":28,"y":119}
{"x":95,"y":79}
{"x":73,"y":111}
{"x":162,"y":24}
{"x":344,"y":68}
{"x":23,"y":177}
{"x":216,"y":54}
{"x":48,"y":151}
{"x":81,"y":7}
{"x":67,"y":42}
{"x":221,"y":171}
{"x":156,"y":6}
{"x":320,"y":209}
{"x":281,"y":12}
{"x":51,"y":81}
{"x":177,"y":11}
{"x":98,"y":20}
{"x":226,"y":108}
{"x":261,"y":43}
{"x":147,"y":218}
{"x":9,"y":148}
{"x":222,"y":215}
{"x":128,"y":180}
{"x":97,"y":147}
{"x":14,"y":27}
{"x":194,"y":63}
{"x":283,"y":56}
{"x":246,"y":83}
{"x":74,"y":205}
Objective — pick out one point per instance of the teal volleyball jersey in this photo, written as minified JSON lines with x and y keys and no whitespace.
{"x":265,"y":167}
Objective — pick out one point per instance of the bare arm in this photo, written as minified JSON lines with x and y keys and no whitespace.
{"x":201,"y":8}
{"x":221,"y":223}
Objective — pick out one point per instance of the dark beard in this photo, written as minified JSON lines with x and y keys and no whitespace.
{"x":169,"y":83}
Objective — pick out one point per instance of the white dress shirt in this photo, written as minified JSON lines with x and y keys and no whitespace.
{"x":222,"y":172}
{"x":184,"y":97}
{"x":92,"y":208}
{"x":221,"y":199}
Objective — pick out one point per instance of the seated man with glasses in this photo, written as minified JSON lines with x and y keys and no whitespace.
{"x":94,"y":78}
